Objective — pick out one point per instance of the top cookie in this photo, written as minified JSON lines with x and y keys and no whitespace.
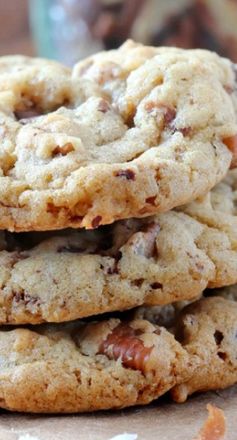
{"x":131,"y":132}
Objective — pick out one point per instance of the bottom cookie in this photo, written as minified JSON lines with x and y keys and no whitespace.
{"x":116,"y":363}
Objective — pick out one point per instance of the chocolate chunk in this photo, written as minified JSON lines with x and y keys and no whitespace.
{"x":151,"y":200}
{"x":186,"y":131}
{"x":156,"y":285}
{"x":128,"y":174}
{"x":114,"y":270}
{"x":76,"y":219}
{"x":96,"y":221}
{"x":111,"y":271}
{"x":222,"y":355}
{"x":25,"y":298}
{"x":138,"y":282}
{"x":218,"y":337}
{"x":169,"y":115}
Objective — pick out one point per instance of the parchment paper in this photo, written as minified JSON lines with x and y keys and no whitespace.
{"x":162,"y":420}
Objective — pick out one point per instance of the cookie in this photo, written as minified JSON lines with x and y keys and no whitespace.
{"x":73,"y":368}
{"x":116,"y":363}
{"x":149,"y":130}
{"x":157,"y":260}
{"x":218,"y":210}
{"x":207,"y":331}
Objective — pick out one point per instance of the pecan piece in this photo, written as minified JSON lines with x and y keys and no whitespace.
{"x":24,"y":116}
{"x":103,"y":106}
{"x":123,"y":343}
{"x":144,"y":242}
{"x":169,"y":113}
{"x":229,"y":89}
{"x":53,"y":209}
{"x":64,"y":150}
{"x":231,"y":143}
{"x":150,"y":106}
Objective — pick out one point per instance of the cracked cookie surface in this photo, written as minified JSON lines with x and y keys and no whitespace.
{"x":116,"y":363}
{"x":157,"y":260}
{"x":150,"y":130}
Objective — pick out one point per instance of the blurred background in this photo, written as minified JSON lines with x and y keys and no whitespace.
{"x":68,"y":30}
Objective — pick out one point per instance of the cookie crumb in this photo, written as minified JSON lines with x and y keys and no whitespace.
{"x":214,"y":427}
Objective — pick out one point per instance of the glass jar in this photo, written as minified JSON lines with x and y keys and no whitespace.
{"x":72,"y":29}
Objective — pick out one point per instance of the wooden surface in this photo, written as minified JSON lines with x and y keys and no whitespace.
{"x":14,"y":28}
{"x":161,"y":421}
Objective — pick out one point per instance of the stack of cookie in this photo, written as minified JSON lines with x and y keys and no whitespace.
{"x":116,"y":193}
